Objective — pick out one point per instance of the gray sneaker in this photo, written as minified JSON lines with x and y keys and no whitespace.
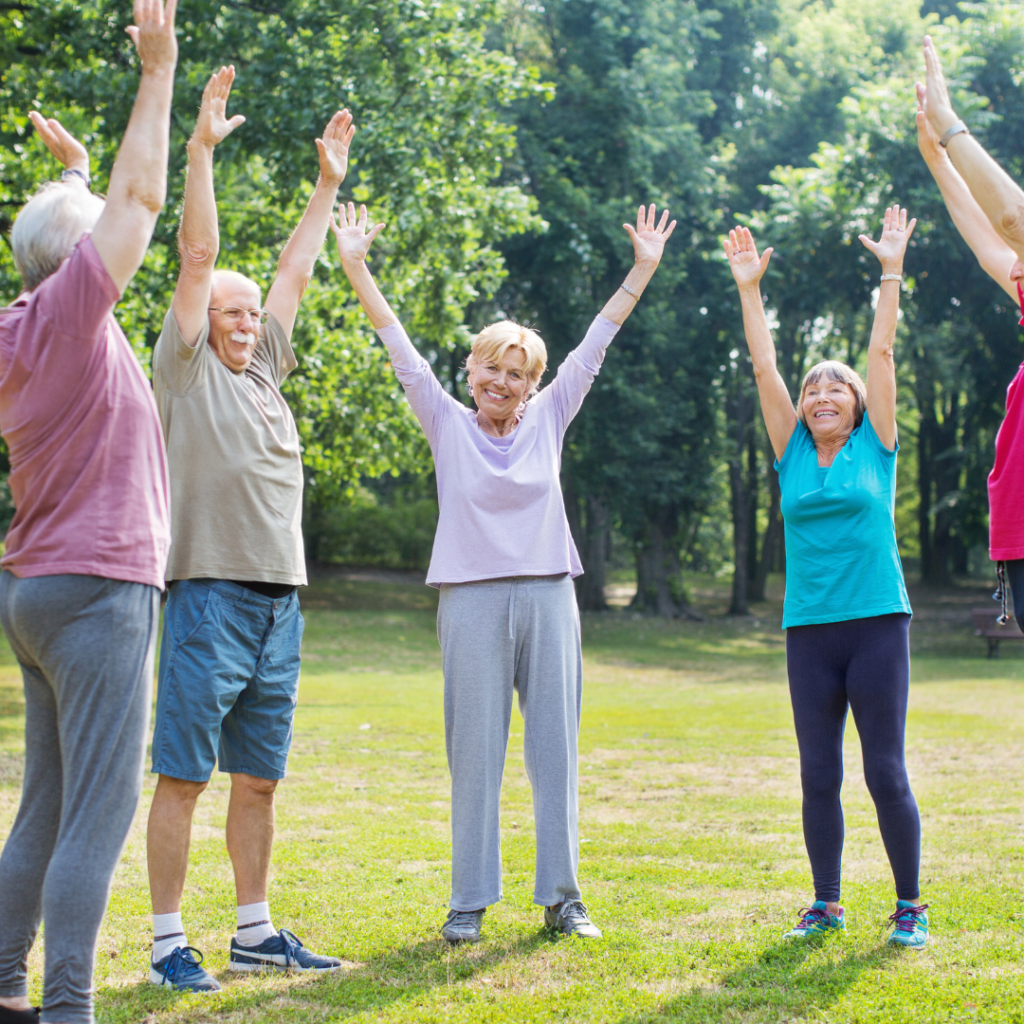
{"x":570,"y":918}
{"x":462,"y":926}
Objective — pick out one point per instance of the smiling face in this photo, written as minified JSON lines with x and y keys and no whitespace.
{"x":233,"y":340}
{"x":829,"y":409}
{"x":500,"y":386}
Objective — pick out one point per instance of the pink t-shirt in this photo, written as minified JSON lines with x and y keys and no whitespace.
{"x":88,"y":466}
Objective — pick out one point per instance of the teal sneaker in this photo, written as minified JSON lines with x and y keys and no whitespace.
{"x":909,"y":925}
{"x":816,"y":920}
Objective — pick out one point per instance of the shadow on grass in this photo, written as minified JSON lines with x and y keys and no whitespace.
{"x":787,"y":981}
{"x":401,"y":975}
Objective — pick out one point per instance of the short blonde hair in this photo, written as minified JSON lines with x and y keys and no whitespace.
{"x":496,"y":340}
{"x":831,"y":369}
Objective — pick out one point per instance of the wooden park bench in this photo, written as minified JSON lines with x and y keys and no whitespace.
{"x":986,"y":624}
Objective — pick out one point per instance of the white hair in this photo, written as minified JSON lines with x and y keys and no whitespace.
{"x":49,"y":226}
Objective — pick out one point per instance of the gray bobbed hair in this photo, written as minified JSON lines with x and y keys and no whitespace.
{"x":49,"y":226}
{"x":831,"y":369}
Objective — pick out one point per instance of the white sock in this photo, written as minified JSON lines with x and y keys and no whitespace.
{"x":168,"y":934}
{"x":254,"y":924}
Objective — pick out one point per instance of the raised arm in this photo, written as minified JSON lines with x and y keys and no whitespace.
{"x":747,"y":269}
{"x":996,"y":258}
{"x":72,"y":155}
{"x":199,"y":236}
{"x":998,"y":195}
{"x":354,"y":243}
{"x":138,"y":179}
{"x":648,"y":245}
{"x":298,"y":258}
{"x":890,"y":250}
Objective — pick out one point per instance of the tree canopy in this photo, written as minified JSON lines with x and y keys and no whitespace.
{"x":504,"y":143}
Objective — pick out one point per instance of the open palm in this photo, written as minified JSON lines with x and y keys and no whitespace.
{"x":333,"y":147}
{"x":649,"y":237}
{"x":896,"y":233}
{"x":353,"y":239}
{"x":746,"y":266}
{"x":213,"y":125}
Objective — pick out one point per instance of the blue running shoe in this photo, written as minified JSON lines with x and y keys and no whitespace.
{"x":281,"y":952}
{"x":909,"y":925}
{"x":181,"y":971}
{"x":816,"y":920}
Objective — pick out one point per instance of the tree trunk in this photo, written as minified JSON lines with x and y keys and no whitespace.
{"x":740,"y":409}
{"x":772,"y":537}
{"x":753,"y":497}
{"x":594,"y":555}
{"x":738,"y":494}
{"x":659,"y":588}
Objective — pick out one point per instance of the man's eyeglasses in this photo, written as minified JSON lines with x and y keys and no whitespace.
{"x":259,"y":316}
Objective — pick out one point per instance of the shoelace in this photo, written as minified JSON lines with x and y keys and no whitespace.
{"x":460,"y":917}
{"x":811,"y":916}
{"x":574,"y":910}
{"x":291,"y":941}
{"x":905,"y":920}
{"x":186,"y":960}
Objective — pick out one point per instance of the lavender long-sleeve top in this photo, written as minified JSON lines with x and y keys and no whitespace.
{"x":501,"y":510}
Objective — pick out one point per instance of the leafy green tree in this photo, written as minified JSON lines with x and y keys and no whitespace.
{"x":427,"y":95}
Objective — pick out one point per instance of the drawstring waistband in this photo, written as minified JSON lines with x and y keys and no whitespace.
{"x":1000,"y":594}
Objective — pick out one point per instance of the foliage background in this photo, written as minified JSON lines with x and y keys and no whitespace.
{"x":504,"y":142}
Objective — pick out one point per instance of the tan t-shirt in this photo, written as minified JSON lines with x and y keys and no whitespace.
{"x":235,"y":463}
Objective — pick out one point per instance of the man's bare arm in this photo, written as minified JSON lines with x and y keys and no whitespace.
{"x":199,"y":236}
{"x":138,"y":180}
{"x":295,"y":267}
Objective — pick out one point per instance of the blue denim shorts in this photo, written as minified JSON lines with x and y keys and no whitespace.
{"x":228,"y":681}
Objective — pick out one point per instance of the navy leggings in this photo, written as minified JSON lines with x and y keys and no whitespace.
{"x":863,"y":664}
{"x":1015,"y":580}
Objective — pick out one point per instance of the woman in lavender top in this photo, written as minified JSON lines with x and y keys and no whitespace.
{"x":504,"y":561}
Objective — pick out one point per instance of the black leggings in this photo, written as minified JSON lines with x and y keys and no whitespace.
{"x":1015,"y":581}
{"x":863,"y":664}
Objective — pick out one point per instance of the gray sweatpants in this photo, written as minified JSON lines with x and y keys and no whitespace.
{"x":85,"y":645}
{"x":519,"y":633}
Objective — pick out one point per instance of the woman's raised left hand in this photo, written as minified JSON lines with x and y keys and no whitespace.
{"x":892,"y":245}
{"x":648,"y":238}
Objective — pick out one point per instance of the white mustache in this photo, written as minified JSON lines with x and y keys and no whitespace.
{"x":243,"y":337}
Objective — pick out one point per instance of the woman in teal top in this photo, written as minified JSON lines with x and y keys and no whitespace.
{"x":846,"y":613}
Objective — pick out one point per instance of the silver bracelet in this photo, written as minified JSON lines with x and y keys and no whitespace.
{"x":74,"y":172}
{"x":892,"y":277}
{"x":629,"y":291}
{"x":955,"y":129}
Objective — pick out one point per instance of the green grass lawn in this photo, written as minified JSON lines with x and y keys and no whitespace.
{"x":692,"y":854}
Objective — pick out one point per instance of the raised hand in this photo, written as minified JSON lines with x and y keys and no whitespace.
{"x":212,"y":124}
{"x":333,"y":147}
{"x":353,"y":239}
{"x":747,"y":267}
{"x":927,"y":140}
{"x":61,"y":143}
{"x":153,"y":34}
{"x":649,"y":240}
{"x":893,"y":244}
{"x":933,"y":95}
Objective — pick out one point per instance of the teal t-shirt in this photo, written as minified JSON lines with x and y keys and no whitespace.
{"x":841,"y":557}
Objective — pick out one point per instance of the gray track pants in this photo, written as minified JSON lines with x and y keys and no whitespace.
{"x":519,"y":633}
{"x":86,"y":647}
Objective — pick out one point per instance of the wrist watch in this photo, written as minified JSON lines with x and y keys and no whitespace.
{"x":74,"y":172}
{"x":955,"y":129}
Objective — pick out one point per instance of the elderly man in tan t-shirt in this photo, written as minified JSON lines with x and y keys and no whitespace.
{"x":229,"y":660}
